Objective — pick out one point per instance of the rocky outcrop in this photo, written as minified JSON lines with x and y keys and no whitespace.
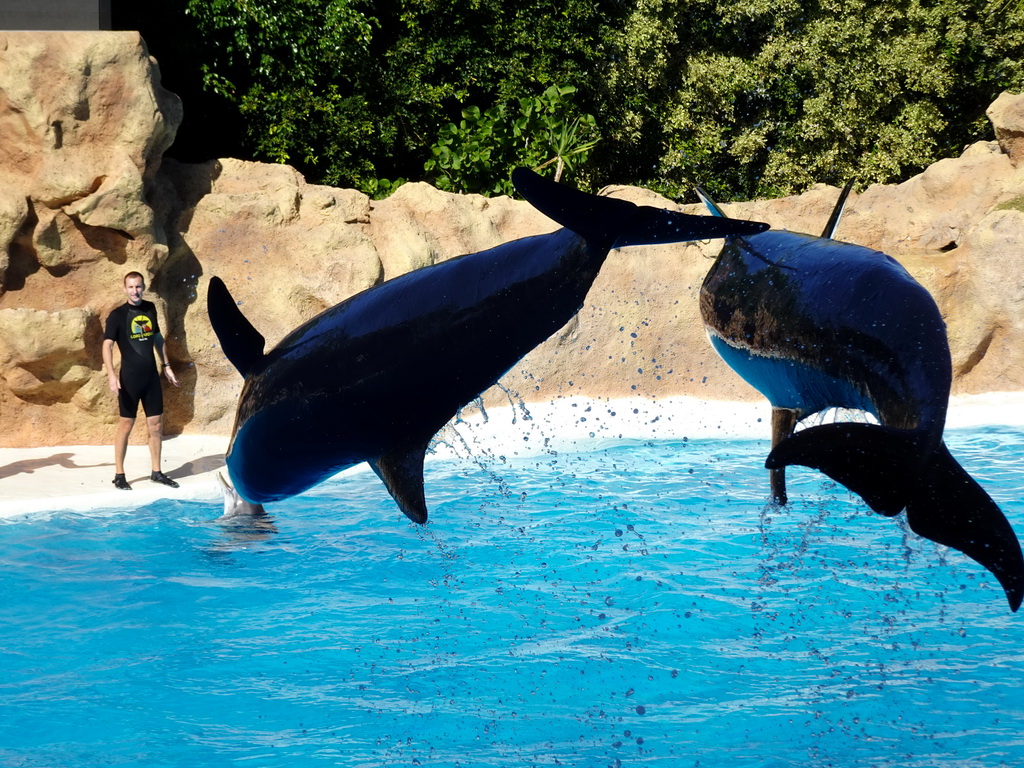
{"x":1006,"y":114}
{"x":84,"y":124}
{"x":86,"y":197}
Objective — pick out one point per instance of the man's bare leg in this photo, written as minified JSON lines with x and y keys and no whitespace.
{"x":155,"y":425}
{"x":156,"y":437}
{"x":124,"y":431}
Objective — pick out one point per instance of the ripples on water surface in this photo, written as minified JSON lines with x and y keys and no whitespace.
{"x":634,"y":606}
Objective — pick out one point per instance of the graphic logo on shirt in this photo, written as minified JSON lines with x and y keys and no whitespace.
{"x":142,"y":328}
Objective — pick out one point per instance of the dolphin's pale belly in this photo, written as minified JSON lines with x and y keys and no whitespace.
{"x":789,"y":383}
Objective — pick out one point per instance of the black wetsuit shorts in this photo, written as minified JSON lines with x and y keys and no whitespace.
{"x":136,"y":390}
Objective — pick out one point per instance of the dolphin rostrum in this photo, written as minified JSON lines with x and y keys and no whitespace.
{"x":814,"y":323}
{"x":375,"y":377}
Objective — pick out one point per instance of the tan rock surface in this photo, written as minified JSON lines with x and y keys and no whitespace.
{"x":83,"y":127}
{"x":1006,"y":114}
{"x":86,"y":197}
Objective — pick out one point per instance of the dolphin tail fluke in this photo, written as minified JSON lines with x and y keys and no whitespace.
{"x":952,"y":509}
{"x":874,"y":462}
{"x":611,"y":223}
{"x":241,"y":342}
{"x":653,"y":226}
{"x":883,"y":466}
{"x":595,"y":218}
{"x":401,"y":471}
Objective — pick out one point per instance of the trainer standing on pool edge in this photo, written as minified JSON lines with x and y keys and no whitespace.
{"x":134,"y":328}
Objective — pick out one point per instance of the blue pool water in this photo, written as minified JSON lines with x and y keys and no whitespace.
{"x":634,"y":606}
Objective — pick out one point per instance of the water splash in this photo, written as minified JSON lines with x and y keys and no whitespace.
{"x":516,"y":401}
{"x":837,"y":416}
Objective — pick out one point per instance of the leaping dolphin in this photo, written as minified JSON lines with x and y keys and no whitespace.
{"x":375,"y":377}
{"x":815,"y":323}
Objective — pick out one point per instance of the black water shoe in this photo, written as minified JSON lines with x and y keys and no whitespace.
{"x":160,"y":477}
{"x":120,"y":482}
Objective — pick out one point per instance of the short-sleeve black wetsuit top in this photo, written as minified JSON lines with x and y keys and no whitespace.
{"x":133,"y":329}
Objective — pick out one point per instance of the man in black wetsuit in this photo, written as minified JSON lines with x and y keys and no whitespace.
{"x":134,"y":328}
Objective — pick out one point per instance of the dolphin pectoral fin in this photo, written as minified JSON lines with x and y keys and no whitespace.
{"x":241,"y":342}
{"x":234,"y":504}
{"x":710,"y":204}
{"x":783,"y":423}
{"x":952,"y":509}
{"x":748,"y":227}
{"x":875,"y":462}
{"x":401,"y":471}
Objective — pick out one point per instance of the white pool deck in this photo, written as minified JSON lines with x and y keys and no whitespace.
{"x":78,"y":478}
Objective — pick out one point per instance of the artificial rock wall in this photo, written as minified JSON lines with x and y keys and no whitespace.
{"x":85,"y":196}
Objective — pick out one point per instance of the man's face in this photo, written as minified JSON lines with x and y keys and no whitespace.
{"x":133,"y":287}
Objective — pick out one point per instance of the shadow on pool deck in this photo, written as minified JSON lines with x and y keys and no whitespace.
{"x":28,"y":466}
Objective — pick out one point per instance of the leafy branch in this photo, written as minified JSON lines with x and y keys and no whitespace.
{"x":478,"y":154}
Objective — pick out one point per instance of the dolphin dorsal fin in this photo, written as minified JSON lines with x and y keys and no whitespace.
{"x":837,"y":211}
{"x":401,"y":471}
{"x":241,"y":342}
{"x":710,"y":204}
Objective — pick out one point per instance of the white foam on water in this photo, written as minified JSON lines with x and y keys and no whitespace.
{"x":576,"y":424}
{"x":586,"y":424}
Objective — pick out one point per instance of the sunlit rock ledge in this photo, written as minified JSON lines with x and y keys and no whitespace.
{"x":87,"y":196}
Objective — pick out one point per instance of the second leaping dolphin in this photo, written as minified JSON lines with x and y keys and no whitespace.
{"x":373,"y":378}
{"x":814,"y":323}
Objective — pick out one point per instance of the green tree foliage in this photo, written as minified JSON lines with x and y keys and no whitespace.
{"x":356,"y":93}
{"x":479,"y":153}
{"x":749,"y":98}
{"x":280,"y":62}
{"x":781,"y":94}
